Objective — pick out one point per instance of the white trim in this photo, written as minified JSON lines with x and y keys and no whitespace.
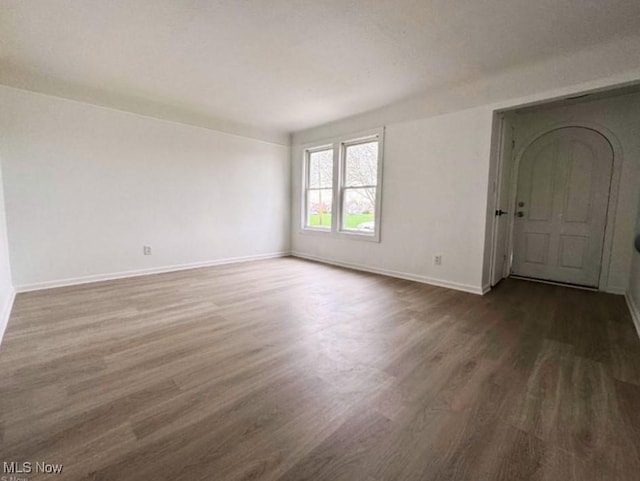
{"x":501,"y":195}
{"x":554,"y":283}
{"x":497,"y":191}
{"x":611,"y":290}
{"x":635,"y":311}
{"x":400,"y":275}
{"x":144,"y":272}
{"x":6,"y":313}
{"x":619,"y":291}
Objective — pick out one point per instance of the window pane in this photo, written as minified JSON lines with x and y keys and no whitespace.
{"x":361,"y":164}
{"x":319,"y":204}
{"x":359,"y":210}
{"x":321,"y":168}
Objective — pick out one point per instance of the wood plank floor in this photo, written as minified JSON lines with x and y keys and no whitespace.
{"x":291,"y":370}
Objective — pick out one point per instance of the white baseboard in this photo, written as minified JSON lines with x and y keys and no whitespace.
{"x":620,"y":291}
{"x":400,"y":275}
{"x":635,"y":311}
{"x":6,"y":313}
{"x":143,"y":272}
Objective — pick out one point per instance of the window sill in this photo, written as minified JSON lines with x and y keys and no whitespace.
{"x":341,"y":234}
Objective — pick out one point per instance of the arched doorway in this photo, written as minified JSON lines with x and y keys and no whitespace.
{"x":564,"y":179}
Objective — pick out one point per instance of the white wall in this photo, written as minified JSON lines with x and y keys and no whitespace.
{"x":434,"y":197}
{"x":633,"y":294}
{"x":617,"y":116}
{"x":6,"y":286}
{"x":86,"y":187}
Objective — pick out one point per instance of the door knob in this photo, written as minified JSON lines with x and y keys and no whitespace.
{"x":520,"y":214}
{"x":501,"y":212}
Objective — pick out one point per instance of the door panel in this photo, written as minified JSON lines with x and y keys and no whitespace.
{"x":540,"y":195}
{"x":562,"y":199}
{"x":578,"y":196}
{"x":573,"y":251}
{"x":536,"y":248}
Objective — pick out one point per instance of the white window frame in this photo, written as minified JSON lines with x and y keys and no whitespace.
{"x":339,"y":146}
{"x":305,"y":182}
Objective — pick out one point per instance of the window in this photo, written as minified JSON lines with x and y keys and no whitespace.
{"x":342,"y":186}
{"x":319,"y":196}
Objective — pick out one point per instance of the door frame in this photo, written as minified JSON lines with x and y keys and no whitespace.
{"x":498,"y":183}
{"x":614,"y":187}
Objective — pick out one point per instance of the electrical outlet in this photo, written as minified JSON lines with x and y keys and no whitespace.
{"x":437,"y":260}
{"x":146,"y":250}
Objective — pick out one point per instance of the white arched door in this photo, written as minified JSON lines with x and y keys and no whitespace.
{"x":564,"y":179}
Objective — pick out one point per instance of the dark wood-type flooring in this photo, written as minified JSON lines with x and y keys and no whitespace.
{"x":290,"y":370}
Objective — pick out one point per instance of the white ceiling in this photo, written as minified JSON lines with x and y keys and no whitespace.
{"x":285,"y":65}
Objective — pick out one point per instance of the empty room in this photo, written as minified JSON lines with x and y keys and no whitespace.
{"x":320,"y":240}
